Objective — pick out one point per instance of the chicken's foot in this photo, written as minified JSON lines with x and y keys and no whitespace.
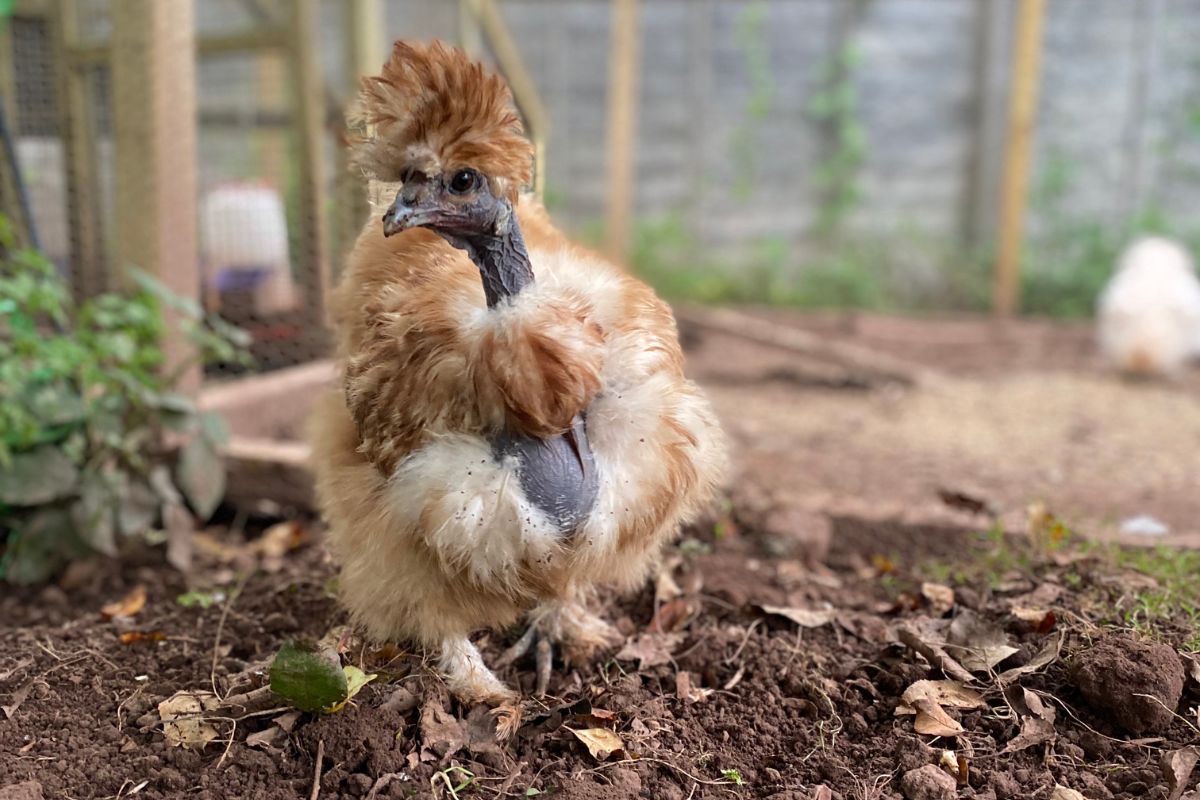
{"x":581,"y":633}
{"x":472,"y":682}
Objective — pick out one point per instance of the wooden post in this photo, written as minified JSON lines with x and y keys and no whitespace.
{"x":8,"y":80}
{"x":365,"y":54}
{"x":1022,"y":110}
{"x":981,"y":169}
{"x":622,"y":126}
{"x":89,"y":273}
{"x":525,"y":93}
{"x":154,"y":113}
{"x":308,"y":103}
{"x":470,"y":34}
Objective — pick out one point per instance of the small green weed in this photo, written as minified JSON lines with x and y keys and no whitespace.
{"x":733,"y":776}
{"x":444,"y":780}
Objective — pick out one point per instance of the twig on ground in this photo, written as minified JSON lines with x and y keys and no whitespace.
{"x":665,"y":763}
{"x":850,"y":357}
{"x":316,"y":787}
{"x":255,"y":703}
{"x":216,"y":655}
{"x":935,"y":655}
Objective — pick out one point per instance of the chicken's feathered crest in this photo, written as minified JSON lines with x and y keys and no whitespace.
{"x":435,"y":110}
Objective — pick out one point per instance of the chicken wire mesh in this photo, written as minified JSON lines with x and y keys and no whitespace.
{"x":744,"y":159}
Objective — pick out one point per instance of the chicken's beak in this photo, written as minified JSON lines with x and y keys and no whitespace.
{"x":401,"y":216}
{"x":416,"y":205}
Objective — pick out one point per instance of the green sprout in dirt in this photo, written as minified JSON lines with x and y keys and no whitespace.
{"x":445,"y":780}
{"x":733,"y":776}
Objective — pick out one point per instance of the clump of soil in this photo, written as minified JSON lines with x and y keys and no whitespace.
{"x":1137,"y":684}
{"x":929,"y":782}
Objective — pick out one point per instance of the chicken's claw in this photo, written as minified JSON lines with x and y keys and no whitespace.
{"x":508,"y":719}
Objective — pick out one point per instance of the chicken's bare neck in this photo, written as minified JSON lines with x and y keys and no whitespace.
{"x":503,"y":262}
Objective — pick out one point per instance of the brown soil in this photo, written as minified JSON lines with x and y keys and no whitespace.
{"x":790,"y":708}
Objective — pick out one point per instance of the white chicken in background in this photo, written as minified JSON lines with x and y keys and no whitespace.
{"x":244,"y":238}
{"x":1149,"y":313}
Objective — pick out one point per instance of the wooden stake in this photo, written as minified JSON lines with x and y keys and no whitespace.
{"x":1022,"y":110}
{"x":365,"y":54}
{"x":512,"y":66}
{"x":470,"y":35}
{"x":308,"y":105}
{"x":154,"y":101}
{"x":623,"y":65}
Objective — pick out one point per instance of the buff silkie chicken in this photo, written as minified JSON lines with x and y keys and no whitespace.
{"x":1149,"y":314}
{"x":514,"y":428}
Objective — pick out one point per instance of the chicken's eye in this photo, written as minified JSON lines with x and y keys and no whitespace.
{"x":464,"y":181}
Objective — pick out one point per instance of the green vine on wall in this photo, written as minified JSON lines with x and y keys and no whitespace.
{"x":751,"y":39}
{"x":835,"y":107}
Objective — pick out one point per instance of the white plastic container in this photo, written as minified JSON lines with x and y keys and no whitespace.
{"x":244,"y":244}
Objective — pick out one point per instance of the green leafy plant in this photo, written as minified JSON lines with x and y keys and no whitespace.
{"x":94,"y":443}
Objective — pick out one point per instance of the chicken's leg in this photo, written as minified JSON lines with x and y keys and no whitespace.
{"x":581,"y":634}
{"x":472,"y":682}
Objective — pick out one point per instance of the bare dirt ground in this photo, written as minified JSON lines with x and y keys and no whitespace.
{"x":841,"y":631}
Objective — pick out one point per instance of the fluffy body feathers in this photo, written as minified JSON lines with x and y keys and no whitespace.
{"x":1149,"y":314}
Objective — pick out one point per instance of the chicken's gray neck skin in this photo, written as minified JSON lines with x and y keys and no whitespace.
{"x":558,"y":475}
{"x":501,"y":257}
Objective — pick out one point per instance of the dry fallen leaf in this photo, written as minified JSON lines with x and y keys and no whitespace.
{"x":600,"y":742}
{"x":1192,"y":663}
{"x":965,"y":501}
{"x":279,"y":539}
{"x":183,"y":725}
{"x":927,"y":698}
{"x":977,"y":644}
{"x":138,"y":637}
{"x":16,"y":699}
{"x":265,"y":737}
{"x":1048,"y":654}
{"x":441,"y":733}
{"x":686,"y":692}
{"x":1177,"y":767}
{"x":650,"y":649}
{"x":804,"y":617}
{"x":932,"y":719}
{"x":673,"y":615}
{"x":128,"y":605}
{"x":1040,"y":620}
{"x":882,"y":565}
{"x":944,"y":693}
{"x":939,"y":597}
{"x":1037,"y":721}
{"x":924,"y":635}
